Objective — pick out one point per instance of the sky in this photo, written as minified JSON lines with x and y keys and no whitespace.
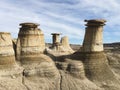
{"x":61,"y":16}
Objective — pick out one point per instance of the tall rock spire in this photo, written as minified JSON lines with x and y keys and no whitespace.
{"x":93,"y":41}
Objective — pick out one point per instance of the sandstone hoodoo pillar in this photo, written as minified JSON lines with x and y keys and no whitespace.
{"x":56,"y":41}
{"x":93,"y":56}
{"x":7,"y":56}
{"x":65,"y":44}
{"x":93,"y":36}
{"x":55,"y":38}
{"x":30,"y":41}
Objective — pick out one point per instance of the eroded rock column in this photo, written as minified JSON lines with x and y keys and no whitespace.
{"x":56,"y":39}
{"x":93,"y":41}
{"x":65,"y":44}
{"x":94,"y":58}
{"x":38,"y":66}
{"x":30,"y":40}
{"x":7,"y":56}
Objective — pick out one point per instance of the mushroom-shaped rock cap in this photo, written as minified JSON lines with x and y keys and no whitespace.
{"x":95,"y":22}
{"x":28,"y":24}
{"x":55,"y":33}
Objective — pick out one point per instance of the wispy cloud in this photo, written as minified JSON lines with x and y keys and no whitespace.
{"x":64,"y":16}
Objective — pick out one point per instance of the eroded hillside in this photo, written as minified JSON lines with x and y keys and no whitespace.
{"x":28,"y":64}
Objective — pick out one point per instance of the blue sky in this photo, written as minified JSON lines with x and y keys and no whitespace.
{"x":62,"y":16}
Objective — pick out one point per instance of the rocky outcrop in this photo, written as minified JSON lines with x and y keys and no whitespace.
{"x":73,"y":75}
{"x":9,"y":70}
{"x":58,"y":67}
{"x":7,"y":56}
{"x":30,"y":42}
{"x":93,"y":40}
{"x":59,"y":48}
{"x":94,"y":58}
{"x":40,"y":72}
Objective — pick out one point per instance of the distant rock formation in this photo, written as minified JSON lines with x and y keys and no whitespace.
{"x":66,"y":45}
{"x":59,"y":47}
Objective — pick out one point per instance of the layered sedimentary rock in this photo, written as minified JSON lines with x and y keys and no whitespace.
{"x":94,"y":58}
{"x":93,"y":36}
{"x":30,"y":41}
{"x":7,"y":56}
{"x":39,"y":71}
{"x":87,"y":69}
{"x":10,"y":72}
{"x":42,"y":75}
{"x":73,"y":75}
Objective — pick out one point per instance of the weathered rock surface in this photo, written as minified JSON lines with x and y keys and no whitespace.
{"x":86,"y":69}
{"x":42,"y":75}
{"x":30,"y":40}
{"x":7,"y":57}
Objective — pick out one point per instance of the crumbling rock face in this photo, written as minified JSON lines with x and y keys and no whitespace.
{"x":42,"y":75}
{"x":73,"y":76}
{"x":9,"y":70}
{"x":39,"y":71}
{"x":7,"y":58}
{"x":114,"y":62}
{"x":30,"y":41}
{"x":87,"y":69}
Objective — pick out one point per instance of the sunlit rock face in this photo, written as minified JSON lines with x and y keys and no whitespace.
{"x":94,"y":59}
{"x":66,"y":45}
{"x":59,"y":67}
{"x":40,"y":72}
{"x":7,"y":56}
{"x":10,"y":72}
{"x":93,"y":40}
{"x":30,"y":41}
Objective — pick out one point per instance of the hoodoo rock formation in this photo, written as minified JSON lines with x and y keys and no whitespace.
{"x":56,"y":39}
{"x":30,"y":43}
{"x":66,"y":45}
{"x":94,"y":58}
{"x":27,"y":64}
{"x":37,"y":65}
{"x":93,"y":41}
{"x":59,"y":47}
{"x":7,"y":55}
{"x":10,"y":72}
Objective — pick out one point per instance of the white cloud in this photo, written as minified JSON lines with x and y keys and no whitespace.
{"x":63,"y":16}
